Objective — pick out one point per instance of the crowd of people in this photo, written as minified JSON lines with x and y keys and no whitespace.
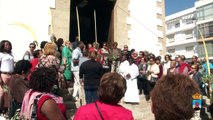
{"x":105,"y":74}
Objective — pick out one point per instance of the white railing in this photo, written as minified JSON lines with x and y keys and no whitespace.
{"x":189,"y":36}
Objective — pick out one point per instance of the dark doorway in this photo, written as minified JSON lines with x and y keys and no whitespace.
{"x":86,"y":17}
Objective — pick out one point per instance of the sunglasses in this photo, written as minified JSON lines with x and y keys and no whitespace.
{"x":32,"y":46}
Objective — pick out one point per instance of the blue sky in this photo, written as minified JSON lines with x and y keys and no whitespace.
{"x":173,"y":6}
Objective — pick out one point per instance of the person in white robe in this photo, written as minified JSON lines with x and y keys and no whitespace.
{"x":122,"y":67}
{"x":131,"y":73}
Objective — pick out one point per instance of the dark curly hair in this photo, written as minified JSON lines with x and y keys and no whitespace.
{"x":43,"y":43}
{"x":158,"y":58}
{"x":168,"y":56}
{"x":22,"y":66}
{"x":2,"y":43}
{"x":36,"y":53}
{"x":43,"y":79}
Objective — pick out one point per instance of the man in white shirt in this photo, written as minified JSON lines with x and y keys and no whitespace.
{"x":77,"y":53}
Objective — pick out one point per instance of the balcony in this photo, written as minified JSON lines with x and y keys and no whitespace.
{"x":190,"y":36}
{"x":171,"y":40}
{"x":182,"y":27}
{"x":182,"y":41}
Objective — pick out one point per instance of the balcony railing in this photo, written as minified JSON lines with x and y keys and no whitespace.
{"x":171,"y":40}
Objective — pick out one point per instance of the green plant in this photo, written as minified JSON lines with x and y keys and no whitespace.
{"x":208,"y":79}
{"x":113,"y":57}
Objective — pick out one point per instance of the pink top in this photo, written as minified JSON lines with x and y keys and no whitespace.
{"x":27,"y":104}
{"x":109,"y":112}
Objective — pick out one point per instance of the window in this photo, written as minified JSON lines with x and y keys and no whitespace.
{"x":129,"y":26}
{"x":171,"y":51}
{"x":169,"y":26}
{"x":206,"y":30}
{"x":189,"y":48}
{"x":188,"y":34}
{"x":159,"y":16}
{"x":205,"y":12}
{"x":49,"y":30}
{"x":177,"y":25}
{"x":170,"y":38}
{"x":189,"y":21}
{"x":159,"y":27}
{"x":201,"y":51}
{"x":159,"y":4}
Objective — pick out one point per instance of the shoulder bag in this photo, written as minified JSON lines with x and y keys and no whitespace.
{"x":96,"y":105}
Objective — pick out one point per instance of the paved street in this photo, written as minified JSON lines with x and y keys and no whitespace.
{"x":140,"y":112}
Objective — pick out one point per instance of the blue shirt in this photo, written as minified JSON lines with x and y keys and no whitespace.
{"x":205,"y":68}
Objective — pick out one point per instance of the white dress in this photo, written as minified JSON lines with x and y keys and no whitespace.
{"x":132,"y":94}
{"x":166,"y":66}
{"x":122,"y":68}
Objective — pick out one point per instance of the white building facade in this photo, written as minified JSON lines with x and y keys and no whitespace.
{"x":182,"y":33}
{"x":145,"y":21}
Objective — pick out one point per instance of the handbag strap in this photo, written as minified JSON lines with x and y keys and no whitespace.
{"x":96,"y":105}
{"x":35,"y":107}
